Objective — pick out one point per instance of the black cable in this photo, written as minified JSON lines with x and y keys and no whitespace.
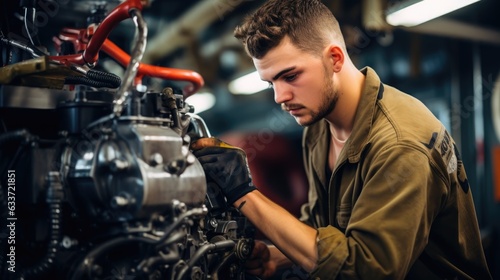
{"x":81,"y":80}
{"x":16,"y":156}
{"x":21,"y":134}
{"x":95,"y":78}
{"x":172,"y":255}
{"x":17,"y":135}
{"x":88,"y":262}
{"x":102,"y":76}
{"x":180,"y":220}
{"x":28,"y":5}
{"x":202,"y":251}
{"x":55,"y":196}
{"x":23,"y":46}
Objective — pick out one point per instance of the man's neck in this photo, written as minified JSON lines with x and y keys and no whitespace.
{"x":350,"y":86}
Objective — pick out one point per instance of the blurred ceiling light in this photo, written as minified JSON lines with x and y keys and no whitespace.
{"x":418,"y":12}
{"x":248,"y":84}
{"x":201,"y":101}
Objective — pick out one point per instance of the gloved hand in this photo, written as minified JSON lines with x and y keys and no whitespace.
{"x":226,"y":166}
{"x":260,"y":263}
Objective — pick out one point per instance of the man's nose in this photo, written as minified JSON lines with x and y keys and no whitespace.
{"x":282,"y":93}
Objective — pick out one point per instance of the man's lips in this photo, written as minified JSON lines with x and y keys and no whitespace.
{"x":292,"y":109}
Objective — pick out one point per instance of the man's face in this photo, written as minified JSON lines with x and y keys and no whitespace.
{"x":303,"y":83}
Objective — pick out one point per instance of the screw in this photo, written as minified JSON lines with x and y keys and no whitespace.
{"x":213,"y":223}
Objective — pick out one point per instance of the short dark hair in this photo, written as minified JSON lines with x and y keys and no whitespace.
{"x":308,"y":23}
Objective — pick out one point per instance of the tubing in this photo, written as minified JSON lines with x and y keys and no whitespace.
{"x":166,"y":73}
{"x":202,"y":251}
{"x":118,"y":14}
{"x":99,"y":40}
{"x":87,"y":263}
{"x":111,"y":78}
{"x":14,"y":135}
{"x":172,"y":256}
{"x":34,"y":51}
{"x":91,"y":54}
{"x":133,"y":67}
{"x":96,"y":79}
{"x":178,"y":222}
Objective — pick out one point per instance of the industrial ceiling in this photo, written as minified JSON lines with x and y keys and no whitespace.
{"x":197,"y":35}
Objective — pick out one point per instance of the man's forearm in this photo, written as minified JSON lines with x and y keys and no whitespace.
{"x":294,"y":238}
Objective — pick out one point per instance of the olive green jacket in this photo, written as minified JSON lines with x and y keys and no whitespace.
{"x":398,"y":205}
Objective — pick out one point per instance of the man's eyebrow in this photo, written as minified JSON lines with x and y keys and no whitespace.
{"x":282,"y":72}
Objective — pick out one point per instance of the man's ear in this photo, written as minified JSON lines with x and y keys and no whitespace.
{"x":336,"y":57}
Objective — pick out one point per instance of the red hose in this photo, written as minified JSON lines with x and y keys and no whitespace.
{"x":123,"y":58}
{"x":91,"y":53}
{"x":99,"y":40}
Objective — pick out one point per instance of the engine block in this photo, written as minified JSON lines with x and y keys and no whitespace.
{"x":122,"y":196}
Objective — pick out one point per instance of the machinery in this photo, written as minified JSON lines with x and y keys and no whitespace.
{"x":97,"y":177}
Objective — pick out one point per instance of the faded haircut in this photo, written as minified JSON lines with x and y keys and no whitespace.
{"x":309,"y":24}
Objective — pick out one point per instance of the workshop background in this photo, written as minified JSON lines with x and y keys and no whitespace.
{"x":451,"y":63}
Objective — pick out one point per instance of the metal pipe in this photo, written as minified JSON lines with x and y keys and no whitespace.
{"x":83,"y":271}
{"x":456,"y":29}
{"x":25,"y":47}
{"x":224,"y":244}
{"x":180,"y":220}
{"x":136,"y":57}
{"x":120,"y":13}
{"x":192,"y":22}
{"x":172,"y":256}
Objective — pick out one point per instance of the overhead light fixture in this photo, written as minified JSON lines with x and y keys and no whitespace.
{"x":411,"y":13}
{"x":201,"y":101}
{"x":248,"y":84}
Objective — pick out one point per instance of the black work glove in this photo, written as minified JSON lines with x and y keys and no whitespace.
{"x":226,"y":166}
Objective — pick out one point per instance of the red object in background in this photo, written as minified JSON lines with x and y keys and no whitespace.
{"x":496,"y":173}
{"x":79,"y":38}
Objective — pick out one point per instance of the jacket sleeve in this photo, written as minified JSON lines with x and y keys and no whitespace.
{"x":400,"y":193}
{"x":305,"y":210}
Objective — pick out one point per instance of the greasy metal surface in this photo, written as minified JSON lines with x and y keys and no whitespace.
{"x":10,"y":72}
{"x":128,"y":173}
{"x":37,"y":72}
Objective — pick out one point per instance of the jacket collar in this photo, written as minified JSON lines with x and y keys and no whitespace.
{"x":373,"y":91}
{"x":363,"y":122}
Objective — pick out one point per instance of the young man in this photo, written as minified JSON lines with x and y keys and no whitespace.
{"x":388,"y":198}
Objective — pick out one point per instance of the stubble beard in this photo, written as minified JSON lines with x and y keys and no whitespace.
{"x":330,"y":98}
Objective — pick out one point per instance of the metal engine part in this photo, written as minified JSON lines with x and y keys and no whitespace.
{"x":132,"y":170}
{"x":121,"y":197}
{"x":98,"y":182}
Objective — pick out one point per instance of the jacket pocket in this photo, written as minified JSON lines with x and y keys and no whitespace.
{"x":343,"y":215}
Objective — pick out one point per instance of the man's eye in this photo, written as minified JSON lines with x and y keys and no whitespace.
{"x":290,"y":77}
{"x":270,"y":85}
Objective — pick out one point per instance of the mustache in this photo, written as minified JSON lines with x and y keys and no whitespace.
{"x":288,"y":107}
